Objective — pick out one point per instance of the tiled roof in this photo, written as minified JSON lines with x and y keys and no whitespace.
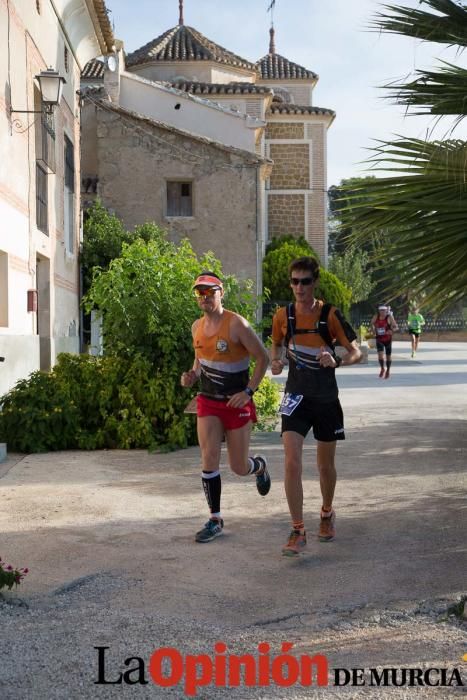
{"x":104,"y":24}
{"x":183,"y":43}
{"x":276,"y":67}
{"x":282,"y":108}
{"x":221,"y":88}
{"x":93,"y":70}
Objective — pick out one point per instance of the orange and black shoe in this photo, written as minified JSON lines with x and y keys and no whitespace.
{"x":327,"y":526}
{"x":296,"y":544}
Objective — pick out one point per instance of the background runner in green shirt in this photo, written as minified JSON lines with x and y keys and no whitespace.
{"x":415,"y":321}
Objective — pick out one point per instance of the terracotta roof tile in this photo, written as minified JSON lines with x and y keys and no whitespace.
{"x":221,"y":88}
{"x":282,"y":108}
{"x":93,"y":70}
{"x":183,"y":43}
{"x":276,"y":67}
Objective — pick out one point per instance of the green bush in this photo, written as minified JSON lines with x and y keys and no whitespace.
{"x":267,"y":398}
{"x":104,"y":237}
{"x":332,"y":290}
{"x":90,"y":402}
{"x":352,"y":267}
{"x":298,"y":241}
{"x":39,"y":414}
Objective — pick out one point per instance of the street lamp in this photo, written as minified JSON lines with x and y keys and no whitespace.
{"x":51,"y":87}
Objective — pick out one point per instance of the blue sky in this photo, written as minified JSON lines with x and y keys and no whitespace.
{"x":329,"y":38}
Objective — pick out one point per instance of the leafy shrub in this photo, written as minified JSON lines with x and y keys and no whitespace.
{"x":332,"y":290}
{"x":298,"y":241}
{"x":39,"y":414}
{"x":104,"y":236}
{"x":90,"y":402}
{"x":267,"y":399}
{"x":352,"y":268}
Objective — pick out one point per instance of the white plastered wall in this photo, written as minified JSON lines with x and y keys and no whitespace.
{"x":29,"y":43}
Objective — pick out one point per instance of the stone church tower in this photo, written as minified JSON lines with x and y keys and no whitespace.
{"x":273,"y":95}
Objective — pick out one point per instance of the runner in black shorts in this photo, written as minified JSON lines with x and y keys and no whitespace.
{"x":384,"y":325}
{"x":326,"y":419}
{"x":385,"y":347}
{"x":311,"y":394}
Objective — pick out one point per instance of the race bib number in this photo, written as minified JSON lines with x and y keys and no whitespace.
{"x":381,"y":331}
{"x":289,"y":404}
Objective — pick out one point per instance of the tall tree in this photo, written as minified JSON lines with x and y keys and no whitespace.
{"x":422,"y":206}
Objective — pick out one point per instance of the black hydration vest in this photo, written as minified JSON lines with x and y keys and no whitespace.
{"x":322,"y":329}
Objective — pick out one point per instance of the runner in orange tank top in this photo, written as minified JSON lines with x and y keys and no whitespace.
{"x":311,"y":394}
{"x":224,"y":342}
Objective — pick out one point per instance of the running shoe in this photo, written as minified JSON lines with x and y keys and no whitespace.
{"x":213,"y":528}
{"x":327,"y":527}
{"x":295,"y":545}
{"x":263,"y":480}
{"x":387,"y":375}
{"x":381,"y":374}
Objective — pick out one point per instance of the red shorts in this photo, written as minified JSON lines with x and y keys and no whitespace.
{"x":231,"y":418}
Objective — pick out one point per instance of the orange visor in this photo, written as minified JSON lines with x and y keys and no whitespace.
{"x":208,"y":281}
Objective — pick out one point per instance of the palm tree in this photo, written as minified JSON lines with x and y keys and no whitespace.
{"x":422,"y":208}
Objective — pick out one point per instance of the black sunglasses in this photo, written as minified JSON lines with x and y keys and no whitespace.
{"x":305,"y":281}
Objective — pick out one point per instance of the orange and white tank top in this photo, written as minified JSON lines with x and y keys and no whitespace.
{"x":224,"y":363}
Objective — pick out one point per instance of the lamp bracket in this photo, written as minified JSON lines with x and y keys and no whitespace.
{"x":26,"y":111}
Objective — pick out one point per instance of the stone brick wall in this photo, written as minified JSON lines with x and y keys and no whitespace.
{"x":137,"y":158}
{"x":286,"y":214}
{"x":291,"y":169}
{"x":285,"y":130}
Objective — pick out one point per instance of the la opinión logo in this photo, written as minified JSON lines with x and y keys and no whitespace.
{"x":168,"y":667}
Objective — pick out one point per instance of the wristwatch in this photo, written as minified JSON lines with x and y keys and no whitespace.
{"x":249,"y":391}
{"x":338,"y":361}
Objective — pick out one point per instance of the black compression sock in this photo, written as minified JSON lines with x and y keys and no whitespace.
{"x":212,"y":490}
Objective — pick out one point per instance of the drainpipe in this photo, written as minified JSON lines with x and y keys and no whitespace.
{"x":259,"y":246}
{"x":81,"y":310}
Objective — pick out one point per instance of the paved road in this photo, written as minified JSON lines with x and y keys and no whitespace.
{"x":108,"y":537}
